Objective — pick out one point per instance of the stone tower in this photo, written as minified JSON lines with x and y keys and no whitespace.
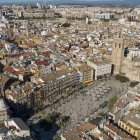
{"x":117,"y":54}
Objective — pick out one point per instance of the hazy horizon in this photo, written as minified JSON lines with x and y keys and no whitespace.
{"x":123,"y":2}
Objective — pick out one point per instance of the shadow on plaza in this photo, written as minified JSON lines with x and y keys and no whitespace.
{"x":48,"y":127}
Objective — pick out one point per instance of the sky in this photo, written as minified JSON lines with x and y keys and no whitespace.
{"x":136,"y":2}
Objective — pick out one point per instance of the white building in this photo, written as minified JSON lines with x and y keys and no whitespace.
{"x":134,"y":53}
{"x":102,"y":68}
{"x":104,"y":15}
{"x":17,"y":127}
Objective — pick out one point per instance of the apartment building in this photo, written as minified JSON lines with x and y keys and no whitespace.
{"x":15,"y":128}
{"x":53,"y":90}
{"x":104,"y":15}
{"x":120,"y":108}
{"x":115,"y":132}
{"x":84,"y":131}
{"x":60,"y":85}
{"x":102,"y":67}
{"x":86,"y":73}
{"x":131,"y":123}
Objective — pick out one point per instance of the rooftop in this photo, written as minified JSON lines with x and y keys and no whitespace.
{"x":133,"y":118}
{"x":77,"y":133}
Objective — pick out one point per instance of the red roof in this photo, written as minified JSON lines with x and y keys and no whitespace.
{"x":112,"y":127}
{"x":18,"y":72}
{"x":8,"y":69}
{"x":13,"y":71}
{"x":42,"y":62}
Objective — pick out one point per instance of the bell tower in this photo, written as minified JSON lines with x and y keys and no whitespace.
{"x":117,"y":54}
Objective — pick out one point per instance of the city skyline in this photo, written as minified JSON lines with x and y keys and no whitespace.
{"x":70,"y":70}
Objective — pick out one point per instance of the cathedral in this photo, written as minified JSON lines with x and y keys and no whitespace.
{"x":126,"y":60}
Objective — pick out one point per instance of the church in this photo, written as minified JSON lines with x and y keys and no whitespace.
{"x":126,"y":60}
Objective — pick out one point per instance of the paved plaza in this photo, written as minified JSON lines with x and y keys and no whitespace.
{"x":88,"y":102}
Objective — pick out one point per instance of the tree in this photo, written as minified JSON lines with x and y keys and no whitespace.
{"x":133,"y":84}
{"x":122,"y":78}
{"x":65,"y":119}
{"x":102,"y":114}
{"x":51,"y":117}
{"x":111,"y":102}
{"x":62,"y":121}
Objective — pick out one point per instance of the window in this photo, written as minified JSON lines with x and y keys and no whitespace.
{"x":134,"y":132}
{"x":119,"y":45}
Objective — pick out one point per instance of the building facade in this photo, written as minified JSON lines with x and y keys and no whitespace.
{"x":86,"y":74}
{"x":131,"y":124}
{"x":117,"y":55}
{"x":126,"y":62}
{"x":56,"y":88}
{"x":102,"y":68}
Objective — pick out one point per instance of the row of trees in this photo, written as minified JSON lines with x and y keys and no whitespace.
{"x":54,"y":118}
{"x":124,"y":79}
{"x":121,"y":78}
{"x":112,"y":102}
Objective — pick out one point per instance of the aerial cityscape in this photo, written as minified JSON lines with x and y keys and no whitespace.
{"x":69,"y":70}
